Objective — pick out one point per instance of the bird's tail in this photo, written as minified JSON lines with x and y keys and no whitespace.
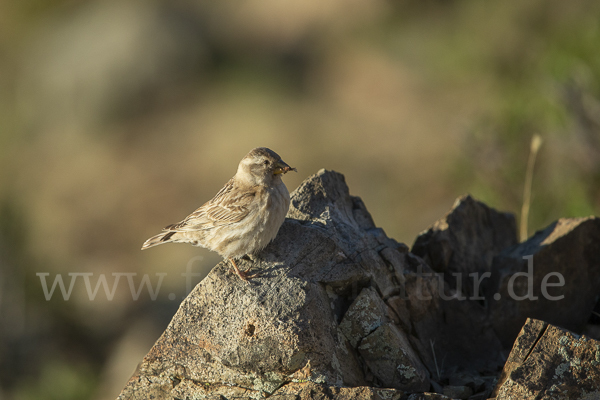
{"x":161,"y":238}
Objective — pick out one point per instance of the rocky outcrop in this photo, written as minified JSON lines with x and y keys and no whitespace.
{"x":341,"y":311}
{"x":547,"y":362}
{"x":553,"y":276}
{"x":338,"y":303}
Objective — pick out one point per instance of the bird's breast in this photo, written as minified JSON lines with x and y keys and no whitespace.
{"x":261,"y":225}
{"x":276,"y":208}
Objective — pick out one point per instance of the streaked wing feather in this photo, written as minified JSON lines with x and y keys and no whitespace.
{"x":227,"y":207}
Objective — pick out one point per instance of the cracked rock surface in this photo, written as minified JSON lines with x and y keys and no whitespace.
{"x":341,"y":311}
{"x":547,"y":362}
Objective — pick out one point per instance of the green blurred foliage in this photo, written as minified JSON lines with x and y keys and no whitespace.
{"x":541,"y":91}
{"x":59,"y":381}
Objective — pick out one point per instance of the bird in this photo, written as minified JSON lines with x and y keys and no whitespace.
{"x":243,"y":217}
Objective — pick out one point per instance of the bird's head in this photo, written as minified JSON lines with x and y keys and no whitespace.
{"x":262,"y":166}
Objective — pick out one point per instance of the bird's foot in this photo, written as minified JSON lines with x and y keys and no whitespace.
{"x":243,"y":274}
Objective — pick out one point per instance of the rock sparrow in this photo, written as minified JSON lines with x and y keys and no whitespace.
{"x":243,"y":217}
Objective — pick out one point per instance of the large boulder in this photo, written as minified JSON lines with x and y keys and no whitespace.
{"x":338,"y":310}
{"x":341,"y":311}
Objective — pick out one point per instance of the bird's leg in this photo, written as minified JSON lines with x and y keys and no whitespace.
{"x":253,"y":259}
{"x":242,"y":274}
{"x":237,"y":270}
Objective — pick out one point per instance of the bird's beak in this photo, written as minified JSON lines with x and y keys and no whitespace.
{"x":282,"y":168}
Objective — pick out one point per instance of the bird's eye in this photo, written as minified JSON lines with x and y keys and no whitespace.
{"x":266,"y":162}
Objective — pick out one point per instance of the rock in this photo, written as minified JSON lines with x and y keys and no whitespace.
{"x":592,"y":331}
{"x":559,"y":284}
{"x":458,"y":392}
{"x":530,"y":334}
{"x":366,"y":313}
{"x":428,"y":396}
{"x":300,"y":320}
{"x":465,"y":241}
{"x":450,"y":331}
{"x":388,"y":354}
{"x":311,"y":390}
{"x":475,"y":382}
{"x":340,"y":310}
{"x":479,"y":396}
{"x":447,"y":335}
{"x":436,"y":387}
{"x":548,"y":362}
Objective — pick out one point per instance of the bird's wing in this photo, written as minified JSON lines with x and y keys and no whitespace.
{"x":227,"y":207}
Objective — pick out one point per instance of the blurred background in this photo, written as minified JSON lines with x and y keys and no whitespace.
{"x":120,"y":117}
